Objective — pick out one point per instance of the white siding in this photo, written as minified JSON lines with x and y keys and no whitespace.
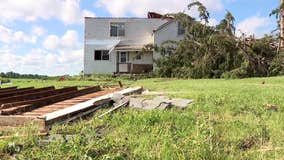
{"x":137,"y":30}
{"x":98,"y":66}
{"x":168,"y":32}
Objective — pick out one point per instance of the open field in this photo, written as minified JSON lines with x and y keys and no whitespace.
{"x":230,"y":119}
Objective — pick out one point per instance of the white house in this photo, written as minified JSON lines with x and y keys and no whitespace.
{"x":170,"y":31}
{"x":114,"y":45}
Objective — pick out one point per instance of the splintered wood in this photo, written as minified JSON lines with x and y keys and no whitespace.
{"x":46,"y":106}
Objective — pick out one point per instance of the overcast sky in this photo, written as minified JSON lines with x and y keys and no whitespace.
{"x":46,"y":36}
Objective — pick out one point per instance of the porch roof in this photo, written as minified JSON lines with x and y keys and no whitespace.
{"x":128,"y":46}
{"x":103,"y":44}
{"x":118,"y":45}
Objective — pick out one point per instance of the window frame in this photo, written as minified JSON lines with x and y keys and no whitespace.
{"x":105,"y":53}
{"x":120,"y":57}
{"x":102,"y":54}
{"x":120,"y":29}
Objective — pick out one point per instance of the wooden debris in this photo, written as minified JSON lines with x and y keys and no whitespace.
{"x":24,"y":106}
{"x":90,"y":104}
{"x":123,"y":102}
{"x":46,"y":106}
{"x":271,"y":107}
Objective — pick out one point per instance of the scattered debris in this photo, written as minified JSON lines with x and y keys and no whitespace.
{"x":271,"y":107}
{"x":247,"y":143}
{"x":62,"y":78}
{"x":120,"y":84}
{"x":159,"y":102}
{"x":120,"y":101}
{"x":45,"y":106}
{"x":263,"y":82}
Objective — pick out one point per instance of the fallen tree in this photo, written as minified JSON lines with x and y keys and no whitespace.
{"x":216,"y":52}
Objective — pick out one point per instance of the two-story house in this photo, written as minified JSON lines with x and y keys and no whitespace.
{"x":114,"y":45}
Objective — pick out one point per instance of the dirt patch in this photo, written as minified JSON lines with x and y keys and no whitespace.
{"x":247,"y":143}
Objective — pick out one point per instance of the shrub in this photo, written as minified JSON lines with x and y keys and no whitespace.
{"x":4,"y":80}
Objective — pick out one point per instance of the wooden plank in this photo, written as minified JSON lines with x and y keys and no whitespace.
{"x":15,"y":91}
{"x":8,"y":89}
{"x":33,"y":104}
{"x":78,"y":115}
{"x":14,"y":121}
{"x":21,"y":92}
{"x":89,"y":104}
{"x":124,"y":103}
{"x":26,"y":98}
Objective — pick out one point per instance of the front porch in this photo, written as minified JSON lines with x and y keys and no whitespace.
{"x":132,"y":60}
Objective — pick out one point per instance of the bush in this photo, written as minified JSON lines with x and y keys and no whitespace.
{"x":276,"y":67}
{"x":4,"y":80}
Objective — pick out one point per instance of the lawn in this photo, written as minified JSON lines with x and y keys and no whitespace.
{"x":230,"y":119}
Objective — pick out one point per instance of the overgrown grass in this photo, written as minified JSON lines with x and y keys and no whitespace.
{"x":230,"y":119}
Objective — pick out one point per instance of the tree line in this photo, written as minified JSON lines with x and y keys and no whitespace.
{"x":18,"y":75}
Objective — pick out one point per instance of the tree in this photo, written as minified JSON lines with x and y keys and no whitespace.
{"x":278,"y":13}
{"x":203,"y":13}
{"x":227,"y":24}
{"x":214,"y":52}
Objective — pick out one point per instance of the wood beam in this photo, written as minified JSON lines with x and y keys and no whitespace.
{"x":15,"y":92}
{"x":24,"y":106}
{"x":81,"y":107}
{"x":8,"y":89}
{"x":43,"y":92}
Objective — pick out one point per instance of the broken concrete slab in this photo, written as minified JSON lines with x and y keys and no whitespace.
{"x":181,"y":103}
{"x":136,"y":102}
{"x":159,"y":102}
{"x":149,"y":93}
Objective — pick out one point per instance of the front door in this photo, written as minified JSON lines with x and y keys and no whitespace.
{"x":123,"y":57}
{"x":123,"y":66}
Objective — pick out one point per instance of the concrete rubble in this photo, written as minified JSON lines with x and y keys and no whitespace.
{"x":159,"y":102}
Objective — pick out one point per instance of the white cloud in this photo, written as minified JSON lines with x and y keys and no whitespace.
{"x":38,"y":31}
{"x":39,"y":61}
{"x":68,"y":41}
{"x":9,"y":36}
{"x":87,"y":13}
{"x":255,"y":25}
{"x":213,"y":22}
{"x":139,"y":8}
{"x":51,"y":42}
{"x":68,"y":11}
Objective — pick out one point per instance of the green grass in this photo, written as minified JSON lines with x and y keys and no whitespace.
{"x":230,"y":119}
{"x":22,"y":83}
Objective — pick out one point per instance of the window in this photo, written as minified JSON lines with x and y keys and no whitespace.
{"x":181,"y":29}
{"x":117,"y":29}
{"x":98,"y":55}
{"x":105,"y":55}
{"x":123,"y":57}
{"x":101,"y":55}
{"x":138,"y":56}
